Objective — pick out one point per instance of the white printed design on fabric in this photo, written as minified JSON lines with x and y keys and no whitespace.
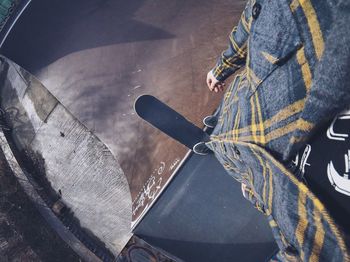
{"x":337,"y":136}
{"x":340,"y":183}
{"x":304,"y":158}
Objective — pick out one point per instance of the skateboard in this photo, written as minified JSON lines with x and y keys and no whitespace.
{"x":167,"y":120}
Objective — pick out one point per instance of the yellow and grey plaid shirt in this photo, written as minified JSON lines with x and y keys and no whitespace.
{"x":283,"y":95}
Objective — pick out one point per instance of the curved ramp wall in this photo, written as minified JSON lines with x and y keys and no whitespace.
{"x":10,"y":11}
{"x":75,"y":163}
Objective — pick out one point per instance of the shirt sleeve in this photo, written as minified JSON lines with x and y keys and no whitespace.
{"x":330,"y":90}
{"x":234,"y":56}
{"x":249,"y":195}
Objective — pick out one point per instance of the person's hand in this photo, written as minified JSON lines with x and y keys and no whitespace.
{"x":214,"y":84}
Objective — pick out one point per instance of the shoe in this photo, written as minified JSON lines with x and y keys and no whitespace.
{"x":210,"y":121}
{"x":201,"y":149}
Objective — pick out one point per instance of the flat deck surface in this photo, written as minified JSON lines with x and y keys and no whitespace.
{"x":202,"y":216}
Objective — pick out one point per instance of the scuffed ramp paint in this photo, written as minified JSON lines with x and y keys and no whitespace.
{"x":76,"y":163}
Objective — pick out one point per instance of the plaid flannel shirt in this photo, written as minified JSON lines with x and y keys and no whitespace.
{"x":296,"y":59}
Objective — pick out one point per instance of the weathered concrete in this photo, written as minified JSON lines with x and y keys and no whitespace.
{"x":76,"y":163}
{"x":45,"y":211}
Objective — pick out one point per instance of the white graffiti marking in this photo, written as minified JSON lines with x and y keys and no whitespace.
{"x":161,"y":168}
{"x":150,"y":189}
{"x":174,"y":164}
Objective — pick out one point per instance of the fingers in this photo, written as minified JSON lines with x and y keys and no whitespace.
{"x":213,"y":84}
{"x":211,"y":81}
{"x":219,"y":87}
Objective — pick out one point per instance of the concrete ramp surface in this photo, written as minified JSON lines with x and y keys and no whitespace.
{"x":69,"y":162}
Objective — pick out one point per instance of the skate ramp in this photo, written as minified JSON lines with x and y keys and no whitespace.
{"x":69,"y":163}
{"x":98,"y":56}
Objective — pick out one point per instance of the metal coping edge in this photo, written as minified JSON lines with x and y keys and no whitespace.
{"x":135,"y":223}
{"x":11,"y":21}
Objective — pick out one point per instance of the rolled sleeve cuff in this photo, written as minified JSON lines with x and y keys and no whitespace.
{"x":222,"y":72}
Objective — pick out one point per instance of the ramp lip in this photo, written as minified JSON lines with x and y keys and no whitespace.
{"x":135,"y":223}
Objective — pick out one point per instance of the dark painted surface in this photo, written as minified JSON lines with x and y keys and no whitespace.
{"x":170,"y":122}
{"x":98,"y":56}
{"x":54,"y":23}
{"x":202,"y":216}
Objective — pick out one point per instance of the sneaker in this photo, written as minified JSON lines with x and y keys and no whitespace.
{"x":201,"y":149}
{"x":210,"y":121}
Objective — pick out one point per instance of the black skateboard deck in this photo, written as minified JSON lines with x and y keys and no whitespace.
{"x":167,"y":120}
